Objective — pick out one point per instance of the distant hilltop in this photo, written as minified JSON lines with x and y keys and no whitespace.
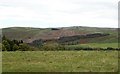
{"x":29,"y":34}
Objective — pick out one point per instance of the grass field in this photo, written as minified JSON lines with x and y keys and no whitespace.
{"x":60,"y":61}
{"x":95,"y":45}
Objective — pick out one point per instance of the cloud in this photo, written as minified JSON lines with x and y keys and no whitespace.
{"x":58,"y":13}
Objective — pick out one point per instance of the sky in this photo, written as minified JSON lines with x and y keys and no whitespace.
{"x":58,"y":13}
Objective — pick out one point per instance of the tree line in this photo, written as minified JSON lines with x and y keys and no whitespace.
{"x":39,"y":45}
{"x":73,"y":40}
{"x":13,"y":45}
{"x":19,"y":45}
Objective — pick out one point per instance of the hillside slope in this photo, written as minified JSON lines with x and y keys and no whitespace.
{"x":28,"y":34}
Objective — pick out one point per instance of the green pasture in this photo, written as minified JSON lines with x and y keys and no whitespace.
{"x":60,"y":61}
{"x":95,"y":45}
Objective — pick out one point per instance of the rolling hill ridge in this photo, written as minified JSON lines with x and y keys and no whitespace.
{"x":28,"y":34}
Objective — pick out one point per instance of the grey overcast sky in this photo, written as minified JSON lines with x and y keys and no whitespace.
{"x":58,"y":13}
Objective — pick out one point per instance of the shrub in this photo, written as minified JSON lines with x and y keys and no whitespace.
{"x":37,"y":43}
{"x":6,"y":45}
{"x":15,"y":47}
{"x":52,"y":46}
{"x":3,"y":48}
{"x":24,"y":47}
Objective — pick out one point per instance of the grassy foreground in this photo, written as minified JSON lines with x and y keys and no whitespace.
{"x":60,"y":61}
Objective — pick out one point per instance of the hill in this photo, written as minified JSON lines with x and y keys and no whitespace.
{"x":28,"y":34}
